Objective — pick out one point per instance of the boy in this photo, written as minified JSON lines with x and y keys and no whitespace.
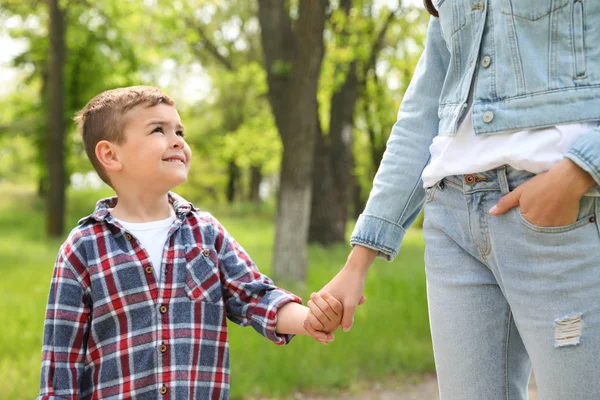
{"x":142,"y":286}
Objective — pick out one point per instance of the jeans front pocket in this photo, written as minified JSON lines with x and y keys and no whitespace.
{"x":202,"y":278}
{"x":586,"y":215}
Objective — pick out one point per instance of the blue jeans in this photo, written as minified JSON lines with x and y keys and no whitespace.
{"x":505,"y":295}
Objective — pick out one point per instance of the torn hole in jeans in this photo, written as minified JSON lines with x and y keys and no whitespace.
{"x":567,"y":330}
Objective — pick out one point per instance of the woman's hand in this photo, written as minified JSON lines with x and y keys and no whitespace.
{"x":348,"y":285}
{"x":550,"y":198}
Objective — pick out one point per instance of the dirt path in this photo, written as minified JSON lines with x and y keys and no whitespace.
{"x":424,"y":390}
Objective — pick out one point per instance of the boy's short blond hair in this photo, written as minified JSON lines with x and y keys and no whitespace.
{"x":103,"y":118}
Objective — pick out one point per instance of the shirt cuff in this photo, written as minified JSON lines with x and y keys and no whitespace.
{"x":378,"y":234}
{"x":264,"y":316}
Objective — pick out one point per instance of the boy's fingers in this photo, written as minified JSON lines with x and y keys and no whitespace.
{"x":314,"y":321}
{"x":334,"y":303}
{"x":319,"y":336}
{"x":362,"y":300}
{"x":316,"y":312}
{"x":323,"y":306}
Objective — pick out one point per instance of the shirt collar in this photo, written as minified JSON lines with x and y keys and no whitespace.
{"x":181,"y":206}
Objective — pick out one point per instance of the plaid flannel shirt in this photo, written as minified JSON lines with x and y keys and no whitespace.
{"x":112,"y":331}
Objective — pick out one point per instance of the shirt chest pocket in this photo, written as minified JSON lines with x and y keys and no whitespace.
{"x":453,"y":16}
{"x":202,"y":278}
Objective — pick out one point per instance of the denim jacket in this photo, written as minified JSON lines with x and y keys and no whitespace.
{"x":530,"y":63}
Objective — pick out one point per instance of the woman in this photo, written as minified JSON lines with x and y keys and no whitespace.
{"x":498,"y":134}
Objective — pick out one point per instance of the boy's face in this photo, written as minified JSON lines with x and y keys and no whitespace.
{"x":154,"y":153}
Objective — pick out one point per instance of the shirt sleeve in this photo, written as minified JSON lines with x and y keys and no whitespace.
{"x":251,"y":298}
{"x":397,"y":195}
{"x":66,"y":329}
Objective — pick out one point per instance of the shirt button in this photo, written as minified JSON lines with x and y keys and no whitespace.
{"x":486,"y":61}
{"x":163,"y":390}
{"x":148,"y":270}
{"x":592,"y":219}
{"x":162,"y":348}
{"x":488,"y":116}
{"x":163,"y":309}
{"x":128,"y":236}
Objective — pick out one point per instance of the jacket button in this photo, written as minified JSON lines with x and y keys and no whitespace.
{"x":488,"y":117}
{"x":163,"y":390}
{"x":128,"y":236}
{"x":486,"y":61}
{"x":163,"y":309}
{"x":205,"y":252}
{"x":162,"y":348}
{"x":148,"y":270}
{"x":592,"y":219}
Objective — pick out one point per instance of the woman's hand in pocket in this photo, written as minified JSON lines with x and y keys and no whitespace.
{"x":550,"y":198}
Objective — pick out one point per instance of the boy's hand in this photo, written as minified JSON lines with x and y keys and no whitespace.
{"x":325,"y":315}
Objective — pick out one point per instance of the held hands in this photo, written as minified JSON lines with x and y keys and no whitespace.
{"x":551,"y":198}
{"x":324,"y":316}
{"x":346,"y":288}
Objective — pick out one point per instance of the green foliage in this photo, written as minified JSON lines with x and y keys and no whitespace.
{"x":390,"y":336}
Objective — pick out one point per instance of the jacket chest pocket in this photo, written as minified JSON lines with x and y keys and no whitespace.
{"x":453,"y":16}
{"x":532,"y":10}
{"x":202,"y":278}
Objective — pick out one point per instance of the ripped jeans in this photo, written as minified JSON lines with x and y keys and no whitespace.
{"x":505,"y":295}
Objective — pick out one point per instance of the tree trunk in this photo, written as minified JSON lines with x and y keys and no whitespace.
{"x":255,"y":180}
{"x":233,"y":177}
{"x":332,"y":183}
{"x":293,"y":64}
{"x":55,"y":143}
{"x":327,"y":218}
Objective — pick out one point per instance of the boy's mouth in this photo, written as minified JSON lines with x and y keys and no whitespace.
{"x":175,"y":159}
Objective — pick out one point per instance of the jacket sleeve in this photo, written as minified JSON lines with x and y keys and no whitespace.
{"x":585,"y":152}
{"x":397,"y":195}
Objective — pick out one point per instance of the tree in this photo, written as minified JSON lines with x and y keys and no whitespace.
{"x":55,"y":143}
{"x":293,"y":54}
{"x":358,"y":39}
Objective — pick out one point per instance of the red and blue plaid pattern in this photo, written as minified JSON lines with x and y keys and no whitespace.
{"x":112,"y":331}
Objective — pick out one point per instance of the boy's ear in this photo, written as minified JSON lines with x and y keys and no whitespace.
{"x":107,"y":155}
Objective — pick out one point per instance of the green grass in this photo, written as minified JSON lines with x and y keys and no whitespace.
{"x":390,"y":337}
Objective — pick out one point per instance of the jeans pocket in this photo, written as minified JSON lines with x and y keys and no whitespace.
{"x":586,"y":215}
{"x":202,"y":278}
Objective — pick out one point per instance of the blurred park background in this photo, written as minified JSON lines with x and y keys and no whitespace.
{"x":287,"y":106}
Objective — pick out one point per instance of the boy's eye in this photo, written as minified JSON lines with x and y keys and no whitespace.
{"x":158,"y":129}
{"x":180,"y":133}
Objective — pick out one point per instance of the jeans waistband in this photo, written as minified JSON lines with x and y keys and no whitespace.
{"x":504,"y":179}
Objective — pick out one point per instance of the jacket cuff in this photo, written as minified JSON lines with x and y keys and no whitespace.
{"x":378,"y":234}
{"x":585,"y":152}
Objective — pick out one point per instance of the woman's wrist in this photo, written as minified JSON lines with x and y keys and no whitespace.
{"x":576,"y":179}
{"x":361,"y":258}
